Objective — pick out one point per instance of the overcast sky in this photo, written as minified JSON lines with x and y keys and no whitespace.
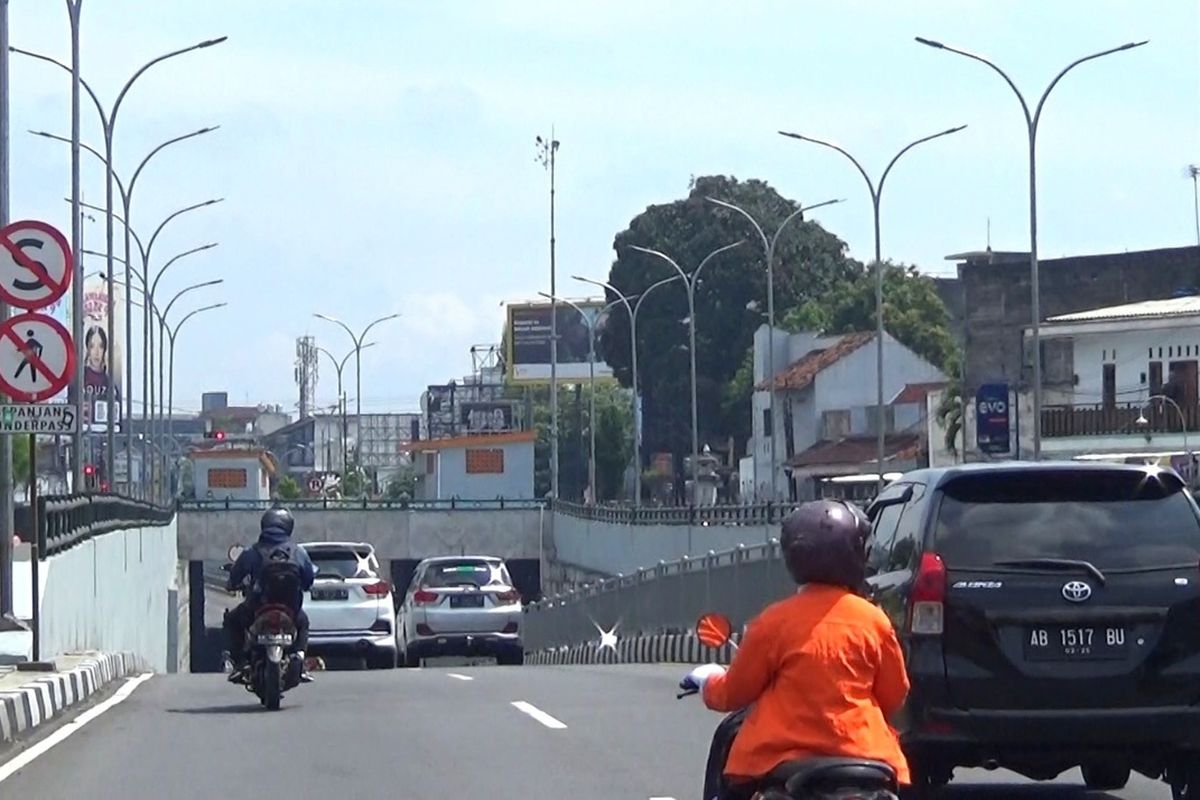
{"x":377,"y":156}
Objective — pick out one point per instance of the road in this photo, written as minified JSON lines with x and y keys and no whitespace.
{"x":433,"y":732}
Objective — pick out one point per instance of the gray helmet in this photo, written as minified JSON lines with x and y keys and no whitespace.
{"x":824,"y":541}
{"x":277,"y":518}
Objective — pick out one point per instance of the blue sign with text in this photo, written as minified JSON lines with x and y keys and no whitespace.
{"x":992,"y":418}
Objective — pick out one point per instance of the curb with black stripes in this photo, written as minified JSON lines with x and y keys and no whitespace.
{"x":681,"y":648}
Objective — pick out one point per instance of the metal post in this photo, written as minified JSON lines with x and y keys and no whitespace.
{"x":35,"y":554}
{"x":592,"y":410}
{"x":547,"y":152}
{"x":74,"y":7}
{"x":6,"y":476}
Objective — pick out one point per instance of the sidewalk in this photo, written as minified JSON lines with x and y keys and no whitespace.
{"x":29,"y":699}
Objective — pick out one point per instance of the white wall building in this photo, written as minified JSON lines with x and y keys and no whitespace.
{"x":824,"y":423}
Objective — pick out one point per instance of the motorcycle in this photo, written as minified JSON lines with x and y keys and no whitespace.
{"x":822,"y":778}
{"x":269,"y":638}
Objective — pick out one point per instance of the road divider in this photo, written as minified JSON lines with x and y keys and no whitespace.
{"x":671,"y":648}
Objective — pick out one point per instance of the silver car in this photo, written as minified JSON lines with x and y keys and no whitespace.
{"x":461,"y":606}
{"x":350,"y":607}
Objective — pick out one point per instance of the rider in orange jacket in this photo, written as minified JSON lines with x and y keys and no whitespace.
{"x":821,"y":670}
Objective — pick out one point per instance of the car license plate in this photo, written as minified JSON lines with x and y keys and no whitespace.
{"x":466,"y":601}
{"x":330,"y":594}
{"x":1076,"y":643}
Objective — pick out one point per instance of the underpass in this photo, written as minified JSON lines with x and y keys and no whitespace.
{"x":506,"y":733}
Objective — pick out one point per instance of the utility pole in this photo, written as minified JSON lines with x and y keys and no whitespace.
{"x":546,"y":154}
{"x":6,"y":481}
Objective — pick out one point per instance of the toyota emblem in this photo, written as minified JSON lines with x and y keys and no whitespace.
{"x":1076,"y":591}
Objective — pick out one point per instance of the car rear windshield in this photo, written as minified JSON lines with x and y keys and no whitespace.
{"x":1114,"y":519}
{"x":465,"y":573}
{"x":341,"y":564}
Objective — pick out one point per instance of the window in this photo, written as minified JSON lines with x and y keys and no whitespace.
{"x":879,"y":546}
{"x":767,"y":427}
{"x":226,"y":478}
{"x":1110,"y":385}
{"x":485,"y":462}
{"x":1155,"y":376}
{"x":465,"y":573}
{"x":1113,"y":519}
{"x":908,"y":533}
{"x":344,"y":563}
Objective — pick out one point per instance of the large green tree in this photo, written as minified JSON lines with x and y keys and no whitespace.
{"x":731,"y":301}
{"x":614,"y":440}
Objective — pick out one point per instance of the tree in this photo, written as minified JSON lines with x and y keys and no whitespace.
{"x":354,"y":481}
{"x":913,"y":312}
{"x":20,"y":459}
{"x":614,"y":440}
{"x":403,"y":484}
{"x":730,"y":301}
{"x":287,"y":488}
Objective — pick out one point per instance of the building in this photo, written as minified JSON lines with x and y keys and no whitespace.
{"x":316,"y":445}
{"x":825,"y":420}
{"x":1121,"y":380}
{"x":232,"y":473}
{"x":994,"y":305}
{"x":480,"y":467}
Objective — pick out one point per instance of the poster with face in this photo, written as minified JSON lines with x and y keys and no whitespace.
{"x":103,"y":361}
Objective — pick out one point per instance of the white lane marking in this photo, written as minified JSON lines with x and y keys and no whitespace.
{"x":458,"y":677}
{"x":538,"y":714}
{"x":24,"y":759}
{"x":662,"y":798}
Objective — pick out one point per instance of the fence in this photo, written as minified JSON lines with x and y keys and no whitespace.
{"x":360,"y":504}
{"x":63,"y":521}
{"x":758,"y":514}
{"x":665,"y":599}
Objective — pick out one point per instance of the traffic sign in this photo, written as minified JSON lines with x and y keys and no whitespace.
{"x":37,"y":358}
{"x":45,"y":418}
{"x":35,"y":264}
{"x":315,"y":484}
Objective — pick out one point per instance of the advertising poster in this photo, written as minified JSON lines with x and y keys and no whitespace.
{"x":529,"y":343}
{"x":103,"y":361}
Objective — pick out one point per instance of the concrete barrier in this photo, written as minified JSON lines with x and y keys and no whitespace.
{"x":115,"y":593}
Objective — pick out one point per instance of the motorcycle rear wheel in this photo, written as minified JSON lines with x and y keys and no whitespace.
{"x":272,"y":686}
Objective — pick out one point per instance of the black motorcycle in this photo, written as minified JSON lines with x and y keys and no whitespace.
{"x":807,"y":779}
{"x":270,"y":669}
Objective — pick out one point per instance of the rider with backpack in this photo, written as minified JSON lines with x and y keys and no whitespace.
{"x":273,"y":561}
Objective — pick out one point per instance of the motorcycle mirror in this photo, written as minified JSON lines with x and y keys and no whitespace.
{"x":714,"y":630}
{"x":235,"y":551}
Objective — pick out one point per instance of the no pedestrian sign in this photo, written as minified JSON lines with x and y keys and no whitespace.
{"x":37,"y":358}
{"x":35,"y":264}
{"x":46,"y":418}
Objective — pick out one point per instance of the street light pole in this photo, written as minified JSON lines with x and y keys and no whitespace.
{"x":876,"y":192}
{"x":769,"y":246}
{"x":633,"y":371}
{"x":338,"y":366}
{"x":6,"y":476}
{"x":171,"y":334}
{"x":1031,"y":125}
{"x":690,"y":283}
{"x":547,"y":150}
{"x":358,"y":348}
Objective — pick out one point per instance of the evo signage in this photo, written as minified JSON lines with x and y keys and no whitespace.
{"x":992,"y":419}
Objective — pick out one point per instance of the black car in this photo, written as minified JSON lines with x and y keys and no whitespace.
{"x":1050,"y":615}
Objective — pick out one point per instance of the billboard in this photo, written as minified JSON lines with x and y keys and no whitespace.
{"x":528,"y":337}
{"x":103,"y":361}
{"x":991,"y":418}
{"x":491,"y":417}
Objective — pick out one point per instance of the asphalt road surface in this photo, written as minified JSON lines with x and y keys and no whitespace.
{"x":504,"y":733}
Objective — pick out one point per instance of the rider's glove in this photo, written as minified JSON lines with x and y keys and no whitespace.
{"x":699,"y":676}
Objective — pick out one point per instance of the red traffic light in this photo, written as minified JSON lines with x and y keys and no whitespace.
{"x":89,"y":470}
{"x":219,"y":435}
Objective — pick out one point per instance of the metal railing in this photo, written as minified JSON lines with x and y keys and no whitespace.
{"x":663,"y":599}
{"x":1116,"y":420}
{"x":757,"y":514}
{"x":64,"y":521}
{"x":361,"y":504}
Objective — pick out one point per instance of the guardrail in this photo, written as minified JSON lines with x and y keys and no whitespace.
{"x":64,"y":521}
{"x":360,"y":504}
{"x":757,"y":514}
{"x":664,"y":599}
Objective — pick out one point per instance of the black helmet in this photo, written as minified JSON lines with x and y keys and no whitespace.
{"x":277,"y":518}
{"x":824,"y":541}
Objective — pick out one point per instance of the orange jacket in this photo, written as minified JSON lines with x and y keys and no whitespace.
{"x":824,"y":672}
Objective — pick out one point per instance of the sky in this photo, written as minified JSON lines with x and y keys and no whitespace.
{"x":377,"y":156}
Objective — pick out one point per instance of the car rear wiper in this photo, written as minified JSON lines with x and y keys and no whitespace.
{"x":1060,"y":563}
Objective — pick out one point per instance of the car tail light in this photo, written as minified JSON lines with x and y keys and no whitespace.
{"x":510,"y":628}
{"x":378,"y":589}
{"x":511,"y":596}
{"x":926,"y":610}
{"x":423,"y":597}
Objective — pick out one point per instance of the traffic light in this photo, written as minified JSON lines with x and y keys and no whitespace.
{"x":218,"y":435}
{"x":89,"y":470}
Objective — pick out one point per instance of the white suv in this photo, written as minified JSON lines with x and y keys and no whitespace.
{"x":461,"y":606}
{"x":350,"y":608}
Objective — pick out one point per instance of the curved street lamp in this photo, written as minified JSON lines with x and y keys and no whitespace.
{"x":690,"y":282}
{"x":171,"y":334}
{"x":1031,"y":125}
{"x":769,"y":246}
{"x":876,"y":190}
{"x":339,"y":366}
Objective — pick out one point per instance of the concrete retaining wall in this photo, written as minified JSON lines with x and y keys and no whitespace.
{"x":614,"y":548}
{"x":396,"y":534}
{"x":115,"y":593}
